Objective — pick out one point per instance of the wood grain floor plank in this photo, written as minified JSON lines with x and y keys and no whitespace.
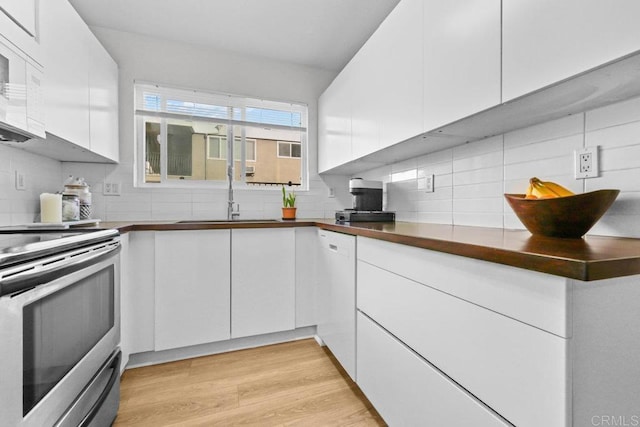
{"x":292,"y":384}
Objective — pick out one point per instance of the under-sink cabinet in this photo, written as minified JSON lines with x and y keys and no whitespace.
{"x":186,"y":288}
{"x":262,"y":281}
{"x":192,"y":286}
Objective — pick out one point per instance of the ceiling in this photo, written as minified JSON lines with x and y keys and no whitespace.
{"x":317,"y":33}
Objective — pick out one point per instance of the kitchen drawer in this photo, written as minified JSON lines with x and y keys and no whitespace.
{"x":516,"y":369}
{"x":538,"y":299}
{"x":408,"y":391}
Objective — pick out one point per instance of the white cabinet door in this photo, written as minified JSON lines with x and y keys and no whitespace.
{"x":407,"y":391}
{"x":334,"y":123}
{"x":398,"y":52}
{"x":138,"y":290}
{"x":263,"y":281}
{"x":545,"y":41}
{"x":306,"y":253}
{"x":65,"y":43}
{"x":23,"y":12}
{"x":192,"y":287}
{"x":103,"y":102}
{"x":366,"y":112}
{"x":126,"y":301}
{"x":337,"y":297}
{"x":461,"y":59}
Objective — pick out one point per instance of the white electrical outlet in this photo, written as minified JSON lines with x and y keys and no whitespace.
{"x":586,"y":162}
{"x":21,"y":181}
{"x":111,"y":188}
{"x":332,"y":192}
{"x":427,"y":184}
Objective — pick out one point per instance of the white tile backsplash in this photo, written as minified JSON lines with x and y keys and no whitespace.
{"x":470,"y":179}
{"x":41,"y":175}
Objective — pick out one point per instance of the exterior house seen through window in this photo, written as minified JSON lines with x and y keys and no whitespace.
{"x":184,"y":135}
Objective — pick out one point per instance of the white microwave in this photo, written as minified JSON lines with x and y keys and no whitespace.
{"x":21,"y":97}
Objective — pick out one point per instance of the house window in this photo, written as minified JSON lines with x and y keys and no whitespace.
{"x":287,"y":149}
{"x":217,"y":148}
{"x":183,"y":139}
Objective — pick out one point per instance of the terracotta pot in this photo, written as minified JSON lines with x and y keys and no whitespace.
{"x":288,"y":213}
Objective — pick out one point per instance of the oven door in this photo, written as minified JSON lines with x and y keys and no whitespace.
{"x":57,"y":336}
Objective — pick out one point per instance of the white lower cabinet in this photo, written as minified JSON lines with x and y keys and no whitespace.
{"x":512,"y":367}
{"x":192,"y":287}
{"x":138,"y":289}
{"x":337,"y":297}
{"x":263,"y":292}
{"x":408,"y":391}
{"x":306,"y":255}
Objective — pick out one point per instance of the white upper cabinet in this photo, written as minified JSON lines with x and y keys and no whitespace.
{"x":81,"y":82}
{"x":22,"y":12}
{"x":334,"y":123}
{"x":398,"y":50}
{"x":366,"y":112}
{"x":103,"y":102}
{"x":65,"y":41}
{"x":461,"y":59}
{"x":19,"y":25}
{"x":545,"y":41}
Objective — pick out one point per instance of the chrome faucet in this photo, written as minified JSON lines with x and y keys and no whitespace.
{"x":232,"y":214}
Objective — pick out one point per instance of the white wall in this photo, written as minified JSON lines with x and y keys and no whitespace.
{"x":146,"y":59}
{"x":470,"y":180}
{"x":42,"y":175}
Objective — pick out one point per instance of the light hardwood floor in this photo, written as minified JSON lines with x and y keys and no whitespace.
{"x":291,"y":384}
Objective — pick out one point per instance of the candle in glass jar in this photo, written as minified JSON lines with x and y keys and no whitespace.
{"x":51,"y":207}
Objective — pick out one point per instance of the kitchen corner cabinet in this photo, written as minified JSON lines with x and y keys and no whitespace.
{"x":337,"y":297}
{"x":263,"y":294}
{"x":546,"y":41}
{"x":192,"y":285}
{"x":461,"y":43}
{"x":334,"y":122}
{"x":81,"y":82}
{"x":138,"y":290}
{"x":306,"y":270}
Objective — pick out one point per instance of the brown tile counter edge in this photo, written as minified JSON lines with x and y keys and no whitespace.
{"x":590,"y":258}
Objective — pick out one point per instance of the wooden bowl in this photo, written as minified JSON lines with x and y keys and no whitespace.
{"x":570,"y":216}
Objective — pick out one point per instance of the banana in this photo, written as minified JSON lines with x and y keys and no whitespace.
{"x":529,"y":193}
{"x":547,"y":189}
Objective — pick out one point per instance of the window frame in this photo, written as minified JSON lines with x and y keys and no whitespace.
{"x":290,"y":144}
{"x":299,"y":110}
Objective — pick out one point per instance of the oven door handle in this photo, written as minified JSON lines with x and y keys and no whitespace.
{"x":44,"y":273}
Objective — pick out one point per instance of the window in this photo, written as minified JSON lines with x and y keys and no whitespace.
{"x":217,"y":148}
{"x":289,"y":149}
{"x":183,"y":139}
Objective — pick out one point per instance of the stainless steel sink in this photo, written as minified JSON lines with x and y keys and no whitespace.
{"x":225,"y":221}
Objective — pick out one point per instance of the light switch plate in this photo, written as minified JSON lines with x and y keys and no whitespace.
{"x":21,"y":181}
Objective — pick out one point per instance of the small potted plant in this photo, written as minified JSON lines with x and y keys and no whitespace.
{"x":288,"y":205}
